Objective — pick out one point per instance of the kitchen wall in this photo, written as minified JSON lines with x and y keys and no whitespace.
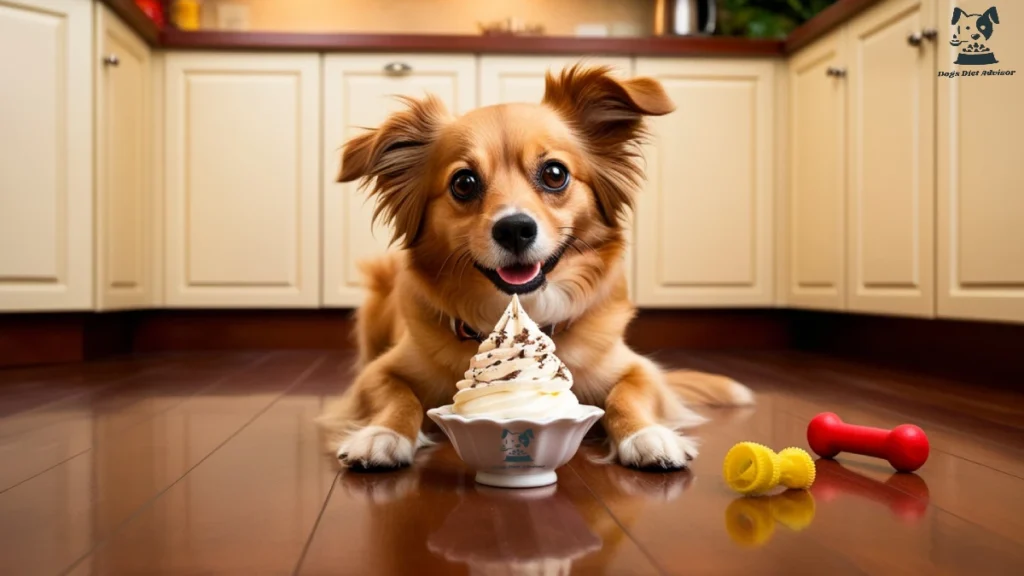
{"x":559,"y":17}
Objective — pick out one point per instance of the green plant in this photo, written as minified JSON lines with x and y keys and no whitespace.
{"x":766,"y":18}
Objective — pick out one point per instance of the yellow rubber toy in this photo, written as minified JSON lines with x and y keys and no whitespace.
{"x":751,"y":468}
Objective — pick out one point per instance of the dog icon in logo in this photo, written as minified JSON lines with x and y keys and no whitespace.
{"x":515,"y":445}
{"x":971,"y":32}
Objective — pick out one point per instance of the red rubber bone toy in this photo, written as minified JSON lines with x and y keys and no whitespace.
{"x":905,"y":446}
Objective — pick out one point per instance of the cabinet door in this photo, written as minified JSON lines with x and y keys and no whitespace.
{"x":359,"y":92}
{"x":242,"y":180}
{"x":817,"y":176}
{"x":890,"y":205}
{"x":123,"y":183}
{"x":704,"y":220}
{"x":980,"y":181}
{"x":46,"y":155}
{"x":505,"y":79}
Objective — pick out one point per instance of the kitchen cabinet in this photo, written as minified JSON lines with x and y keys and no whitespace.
{"x":46,"y":155}
{"x":242,"y":180}
{"x":505,"y":79}
{"x":704,"y":220}
{"x":817,"y":173}
{"x":891,"y":185}
{"x":359,"y":92}
{"x":980,"y":191}
{"x":123,"y":158}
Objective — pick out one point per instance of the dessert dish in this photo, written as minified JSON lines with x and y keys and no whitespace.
{"x":514,"y":418}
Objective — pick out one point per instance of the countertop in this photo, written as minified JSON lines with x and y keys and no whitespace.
{"x":173,"y":39}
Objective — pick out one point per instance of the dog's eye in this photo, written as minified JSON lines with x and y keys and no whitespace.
{"x":554,"y":177}
{"x":465,"y":185}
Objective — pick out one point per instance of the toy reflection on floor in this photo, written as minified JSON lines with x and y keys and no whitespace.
{"x":906,"y":495}
{"x":750,"y":522}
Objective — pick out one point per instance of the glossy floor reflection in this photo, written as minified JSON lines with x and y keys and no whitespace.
{"x":210,"y":464}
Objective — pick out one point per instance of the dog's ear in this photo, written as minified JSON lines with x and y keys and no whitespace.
{"x":992,"y":15}
{"x":957,"y":13}
{"x":608,"y":115}
{"x":394,"y":159}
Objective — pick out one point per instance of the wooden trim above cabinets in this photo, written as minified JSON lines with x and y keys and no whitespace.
{"x":419,"y":43}
{"x":136,"y":19}
{"x":826,"y":21}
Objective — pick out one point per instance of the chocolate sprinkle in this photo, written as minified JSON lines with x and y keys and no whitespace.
{"x":522,"y":353}
{"x":508,"y":376}
{"x":561,"y":373}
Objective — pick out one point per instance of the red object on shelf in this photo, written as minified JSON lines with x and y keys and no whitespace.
{"x":154,"y":10}
{"x":905,"y":446}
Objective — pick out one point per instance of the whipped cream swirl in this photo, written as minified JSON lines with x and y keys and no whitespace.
{"x":515,"y":373}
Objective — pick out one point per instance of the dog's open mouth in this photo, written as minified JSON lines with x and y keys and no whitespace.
{"x":955,"y":42}
{"x":521,"y":278}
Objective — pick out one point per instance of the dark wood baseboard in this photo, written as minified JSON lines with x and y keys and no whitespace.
{"x":712,"y":329}
{"x":176,"y":330}
{"x":27,"y":339}
{"x":984,"y":352}
{"x":979,"y":351}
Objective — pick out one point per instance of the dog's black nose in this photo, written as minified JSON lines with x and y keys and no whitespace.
{"x":515,"y":233}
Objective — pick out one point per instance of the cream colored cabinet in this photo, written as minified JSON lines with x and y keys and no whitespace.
{"x":704,"y":221}
{"x":817,"y":173}
{"x":242,"y":180}
{"x":123,"y":159}
{"x":359,"y":92}
{"x":46,"y":145}
{"x":980,"y":181}
{"x":890,"y":208}
{"x":505,"y":79}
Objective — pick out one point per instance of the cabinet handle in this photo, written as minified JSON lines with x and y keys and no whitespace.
{"x":397,"y":69}
{"x":930,"y":34}
{"x":111,"y":60}
{"x":835,"y":72}
{"x":915,"y":39}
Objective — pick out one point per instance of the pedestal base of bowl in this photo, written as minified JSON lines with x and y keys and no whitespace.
{"x":518,"y":480}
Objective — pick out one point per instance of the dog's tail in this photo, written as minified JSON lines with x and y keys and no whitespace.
{"x":705,"y":389}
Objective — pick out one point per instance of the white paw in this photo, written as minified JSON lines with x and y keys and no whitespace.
{"x":657,"y":447}
{"x":376,"y":447}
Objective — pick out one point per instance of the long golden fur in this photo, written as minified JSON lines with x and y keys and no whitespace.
{"x":593,"y":124}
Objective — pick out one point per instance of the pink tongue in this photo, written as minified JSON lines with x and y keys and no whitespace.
{"x":519,"y":274}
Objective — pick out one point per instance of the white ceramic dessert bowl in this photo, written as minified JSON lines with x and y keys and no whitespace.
{"x":516,"y":452}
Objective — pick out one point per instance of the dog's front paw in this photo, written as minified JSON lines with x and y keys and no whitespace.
{"x":657,"y":447}
{"x":374,"y":448}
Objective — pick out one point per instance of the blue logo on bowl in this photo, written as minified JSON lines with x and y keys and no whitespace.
{"x":516,"y":445}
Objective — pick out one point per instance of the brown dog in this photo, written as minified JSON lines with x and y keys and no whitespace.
{"x":510,"y":199}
